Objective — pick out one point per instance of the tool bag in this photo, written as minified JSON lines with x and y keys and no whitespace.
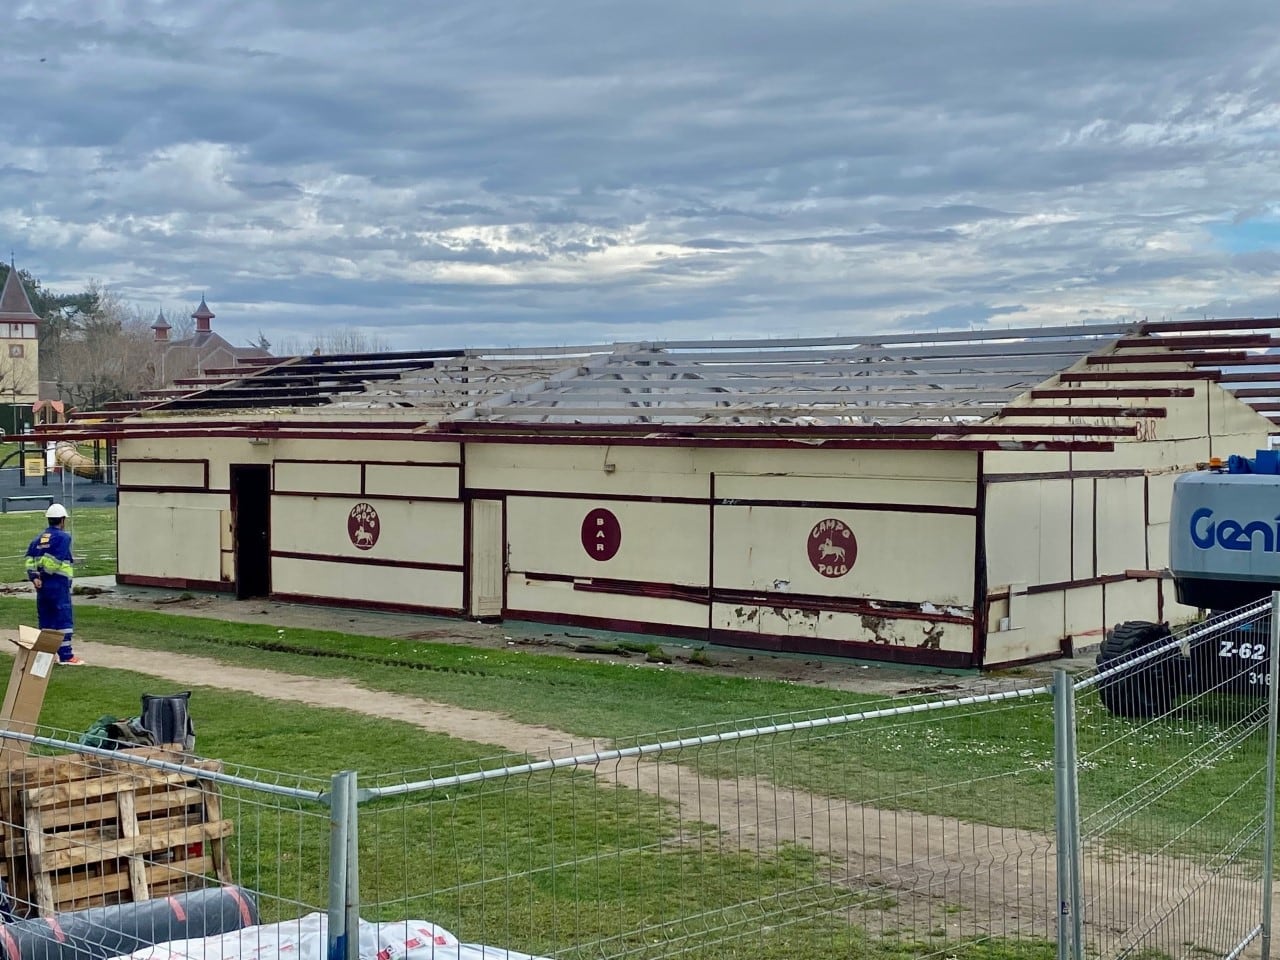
{"x":168,"y":719}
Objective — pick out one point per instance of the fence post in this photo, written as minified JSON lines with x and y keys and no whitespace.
{"x":339,"y":936}
{"x":1067,"y":819}
{"x":1269,"y":801}
{"x":1063,"y":761}
{"x":353,"y":867}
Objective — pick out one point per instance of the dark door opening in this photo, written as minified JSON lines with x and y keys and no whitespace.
{"x":251,"y":523}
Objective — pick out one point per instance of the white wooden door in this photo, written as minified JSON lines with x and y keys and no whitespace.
{"x":488,"y":558}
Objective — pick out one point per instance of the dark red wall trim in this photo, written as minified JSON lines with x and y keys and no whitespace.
{"x":1075,"y":584}
{"x":693,"y":593}
{"x":1066,"y":410}
{"x":371,"y":463}
{"x":1027,"y":661}
{"x":1103,"y":393}
{"x":1220,"y":358}
{"x":847,"y":649}
{"x":368,"y":561}
{"x":466,"y":430}
{"x":150,"y":431}
{"x":143,"y":488}
{"x":853,"y":505}
{"x":488,"y":493}
{"x":175,"y":583}
{"x":891,"y":610}
{"x":1133,"y":376}
{"x":819,"y":604}
{"x":494,"y":493}
{"x":328,"y":495}
{"x":616,"y":625}
{"x":1065,"y":475}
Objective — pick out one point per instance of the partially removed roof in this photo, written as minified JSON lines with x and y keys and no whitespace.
{"x":874,"y":379}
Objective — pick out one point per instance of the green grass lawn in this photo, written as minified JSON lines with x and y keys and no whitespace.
{"x":553,"y":863}
{"x":93,"y":540}
{"x":989,"y":763}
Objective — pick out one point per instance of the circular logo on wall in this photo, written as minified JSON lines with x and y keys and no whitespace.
{"x":362,"y":526}
{"x":832,"y":548}
{"x":601,"y":534}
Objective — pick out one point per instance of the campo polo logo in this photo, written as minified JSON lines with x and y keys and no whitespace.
{"x":832,"y":548}
{"x":362,"y":526}
{"x":601,"y":534}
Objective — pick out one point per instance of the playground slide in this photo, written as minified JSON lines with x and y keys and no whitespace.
{"x":70,"y":458}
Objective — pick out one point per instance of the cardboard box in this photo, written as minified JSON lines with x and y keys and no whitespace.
{"x":34,"y":661}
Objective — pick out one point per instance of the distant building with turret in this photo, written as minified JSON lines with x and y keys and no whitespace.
{"x":19,"y":343}
{"x":193,"y":356}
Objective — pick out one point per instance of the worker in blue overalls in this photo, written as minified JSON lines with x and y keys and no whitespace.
{"x":50,"y":568}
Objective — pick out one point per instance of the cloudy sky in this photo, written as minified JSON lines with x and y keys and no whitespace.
{"x":570,"y":171}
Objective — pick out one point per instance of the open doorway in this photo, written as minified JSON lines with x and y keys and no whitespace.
{"x":251,"y":523}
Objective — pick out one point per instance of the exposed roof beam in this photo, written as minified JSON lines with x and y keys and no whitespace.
{"x":1085,"y":411}
{"x":1102,"y":393}
{"x":1052,"y":348}
{"x":942,"y":336}
{"x":1211,"y":342}
{"x":1200,"y":358}
{"x":1136,"y":376}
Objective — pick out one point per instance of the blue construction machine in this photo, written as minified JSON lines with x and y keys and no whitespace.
{"x":1224,"y":553}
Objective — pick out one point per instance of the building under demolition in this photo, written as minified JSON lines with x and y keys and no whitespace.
{"x":961,"y":499}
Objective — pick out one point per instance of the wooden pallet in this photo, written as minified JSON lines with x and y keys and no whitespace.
{"x":84,"y":831}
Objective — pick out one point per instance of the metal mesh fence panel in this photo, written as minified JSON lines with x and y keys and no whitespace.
{"x":84,"y":828}
{"x":912,"y":828}
{"x":1172,"y":764}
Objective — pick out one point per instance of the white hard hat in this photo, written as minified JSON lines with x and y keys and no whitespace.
{"x":55,"y":512}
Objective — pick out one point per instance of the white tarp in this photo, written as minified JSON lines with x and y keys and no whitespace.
{"x":305,"y":939}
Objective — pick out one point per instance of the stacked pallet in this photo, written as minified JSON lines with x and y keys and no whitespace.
{"x":82,"y":831}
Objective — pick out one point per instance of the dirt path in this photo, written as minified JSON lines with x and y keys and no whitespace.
{"x":914,"y":868}
{"x":475,"y":725}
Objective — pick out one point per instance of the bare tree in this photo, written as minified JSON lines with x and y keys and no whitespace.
{"x":17,"y":378}
{"x":183,"y":326}
{"x":106,"y":353}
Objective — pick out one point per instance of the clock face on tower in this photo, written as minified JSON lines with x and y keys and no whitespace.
{"x":15,"y":350}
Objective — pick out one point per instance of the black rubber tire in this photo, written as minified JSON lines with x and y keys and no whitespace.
{"x":1150,"y":689}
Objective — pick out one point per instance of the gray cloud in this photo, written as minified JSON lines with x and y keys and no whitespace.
{"x":496,"y":173}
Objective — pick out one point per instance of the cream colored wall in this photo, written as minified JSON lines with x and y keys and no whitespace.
{"x":222,"y":452}
{"x":645,"y":471}
{"x":1028,"y":528}
{"x":921,"y":559}
{"x":167,"y":535}
{"x":560,"y":597}
{"x":661,"y":542}
{"x":386,"y":585}
{"x":410,"y":531}
{"x":895,"y":635}
{"x":1059,"y":535}
{"x":904,"y":557}
{"x":134,"y":473}
{"x":1130,"y":529}
{"x":172,"y":536}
